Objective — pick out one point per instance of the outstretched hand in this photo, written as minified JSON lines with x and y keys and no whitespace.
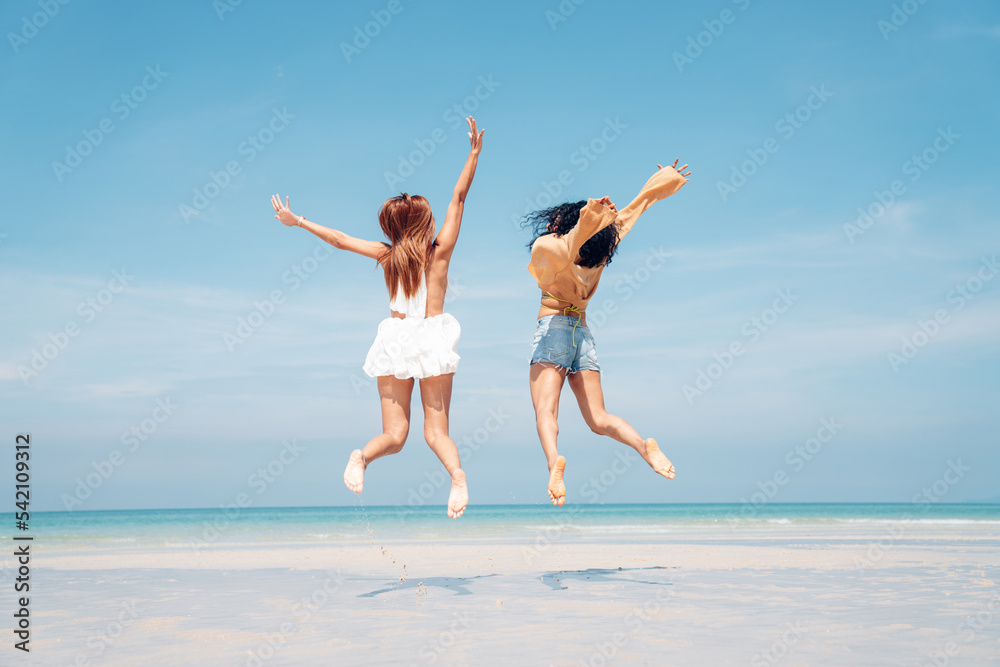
{"x":666,"y":181}
{"x":475,"y":138}
{"x":674,"y":167}
{"x":284,"y":214}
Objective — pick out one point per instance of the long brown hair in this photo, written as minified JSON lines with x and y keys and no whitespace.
{"x":409,"y":224}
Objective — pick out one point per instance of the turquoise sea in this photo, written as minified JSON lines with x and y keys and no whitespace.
{"x":220,"y":526}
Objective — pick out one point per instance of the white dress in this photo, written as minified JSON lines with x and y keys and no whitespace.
{"x":415,"y":346}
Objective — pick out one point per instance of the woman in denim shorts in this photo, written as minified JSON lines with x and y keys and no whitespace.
{"x":572,"y":245}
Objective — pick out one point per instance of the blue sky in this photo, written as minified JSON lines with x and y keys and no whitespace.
{"x":792,"y":116}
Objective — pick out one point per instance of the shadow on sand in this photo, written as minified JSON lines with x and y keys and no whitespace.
{"x":554,"y":580}
{"x":456,"y":584}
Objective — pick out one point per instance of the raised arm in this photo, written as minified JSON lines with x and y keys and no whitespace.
{"x":665,"y":182}
{"x":594,"y":216}
{"x":448,"y":235}
{"x":337,"y":239}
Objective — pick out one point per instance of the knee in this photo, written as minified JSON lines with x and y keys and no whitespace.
{"x":599,"y":423}
{"x":433,"y":435}
{"x":546,"y":419}
{"x":397,"y":438}
{"x":545,"y":416}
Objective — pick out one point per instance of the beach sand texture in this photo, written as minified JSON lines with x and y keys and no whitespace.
{"x":848,"y":594}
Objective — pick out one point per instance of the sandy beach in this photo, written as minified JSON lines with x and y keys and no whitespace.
{"x":850,"y":594}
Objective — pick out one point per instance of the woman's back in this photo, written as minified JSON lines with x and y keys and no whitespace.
{"x":410,"y":306}
{"x":437,"y":284}
{"x":428,"y":301}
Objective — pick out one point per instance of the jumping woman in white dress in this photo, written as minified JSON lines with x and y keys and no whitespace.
{"x":419,"y":340}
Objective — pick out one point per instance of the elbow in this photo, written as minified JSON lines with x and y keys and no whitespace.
{"x":337,"y":241}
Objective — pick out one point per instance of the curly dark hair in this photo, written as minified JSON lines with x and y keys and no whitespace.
{"x":596,"y":251}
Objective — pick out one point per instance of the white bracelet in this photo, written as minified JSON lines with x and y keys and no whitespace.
{"x":298,"y":223}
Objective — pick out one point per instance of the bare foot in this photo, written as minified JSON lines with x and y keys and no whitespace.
{"x":459,"y":496}
{"x":657,"y":460}
{"x":354,"y":475}
{"x":557,"y":489}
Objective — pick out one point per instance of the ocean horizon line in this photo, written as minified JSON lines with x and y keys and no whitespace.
{"x":360,"y":507}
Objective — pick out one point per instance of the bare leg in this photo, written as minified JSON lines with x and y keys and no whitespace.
{"x":435,"y":394}
{"x":546,"y":387}
{"x":586,"y":385}
{"x":395,"y":397}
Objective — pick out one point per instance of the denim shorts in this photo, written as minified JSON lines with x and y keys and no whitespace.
{"x":553,"y":344}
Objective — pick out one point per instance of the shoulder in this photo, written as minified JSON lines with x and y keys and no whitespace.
{"x":548,"y":245}
{"x":548,"y":241}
